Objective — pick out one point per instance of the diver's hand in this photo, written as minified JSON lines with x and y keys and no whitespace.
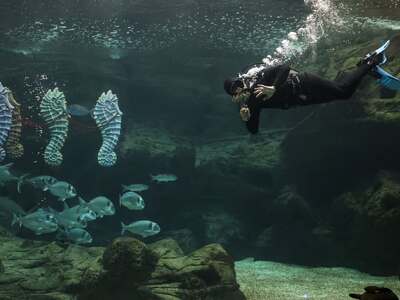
{"x":262,"y":90}
{"x":245,"y":114}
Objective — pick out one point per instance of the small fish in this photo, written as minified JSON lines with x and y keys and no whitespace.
{"x":42,"y":182}
{"x":78,"y":110}
{"x":164,"y":178}
{"x":20,"y":181}
{"x":49,"y":228}
{"x":82,"y":211}
{"x":322,"y":231}
{"x":63,"y":190}
{"x":69,"y":218}
{"x":135,"y":187}
{"x":102,"y":206}
{"x":143,"y":228}
{"x":10,"y":207}
{"x":6,"y":176}
{"x":40,"y":221}
{"x":75,"y":235}
{"x":132,"y":200}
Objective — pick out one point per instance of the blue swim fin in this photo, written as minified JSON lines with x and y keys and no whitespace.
{"x":387,"y":80}
{"x":377,"y":52}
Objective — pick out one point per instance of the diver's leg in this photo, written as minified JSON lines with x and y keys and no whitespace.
{"x":320,"y":90}
{"x":349,"y":81}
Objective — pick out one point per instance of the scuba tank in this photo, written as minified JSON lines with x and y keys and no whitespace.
{"x":249,"y":77}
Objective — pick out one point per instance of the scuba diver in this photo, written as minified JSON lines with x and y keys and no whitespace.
{"x":281,"y":87}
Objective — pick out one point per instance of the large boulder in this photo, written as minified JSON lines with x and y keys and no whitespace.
{"x":367,"y":221}
{"x":128,"y":257}
{"x":185,"y":238}
{"x":126,"y":269}
{"x":222,"y":227}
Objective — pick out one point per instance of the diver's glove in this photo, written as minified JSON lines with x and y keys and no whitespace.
{"x":375,"y":293}
{"x":264,"y":90}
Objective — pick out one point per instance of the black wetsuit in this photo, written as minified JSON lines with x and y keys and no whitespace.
{"x":294,"y":89}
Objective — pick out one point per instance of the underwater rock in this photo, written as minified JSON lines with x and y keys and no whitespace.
{"x":290,"y":206}
{"x":222,"y":228}
{"x":151,"y":141}
{"x":128,"y":257}
{"x":207,"y":273}
{"x":185,"y":238}
{"x":258,"y":153}
{"x":166,"y":247}
{"x":126,"y":269}
{"x":379,"y":203}
{"x":264,"y":239}
{"x":366,"y":219}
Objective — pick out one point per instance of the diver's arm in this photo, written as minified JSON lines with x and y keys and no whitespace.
{"x":250,"y":114}
{"x":253,"y":123}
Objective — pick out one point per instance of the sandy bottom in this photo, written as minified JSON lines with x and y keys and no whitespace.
{"x":263,"y":280}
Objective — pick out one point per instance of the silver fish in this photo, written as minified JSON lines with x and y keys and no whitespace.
{"x":132,"y":200}
{"x":164,"y":178}
{"x":6,"y":176}
{"x":69,"y":219}
{"x":75,"y":235}
{"x":40,"y":221}
{"x":101,"y":205}
{"x":10,"y":207}
{"x":63,"y":190}
{"x":143,"y":228}
{"x":42,"y":182}
{"x":83,"y":211}
{"x":135,"y":187}
{"x":78,"y":110}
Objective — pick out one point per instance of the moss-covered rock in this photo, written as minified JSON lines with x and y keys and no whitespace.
{"x":151,"y":141}
{"x":128,"y":257}
{"x":258,"y":153}
{"x":126,"y":269}
{"x":367,"y":220}
{"x":378,"y":203}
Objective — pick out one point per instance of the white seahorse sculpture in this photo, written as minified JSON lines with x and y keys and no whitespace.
{"x":53,"y":110}
{"x":6,"y":109}
{"x":108,"y":118}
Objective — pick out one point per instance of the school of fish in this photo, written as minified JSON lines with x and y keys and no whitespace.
{"x":70,"y":224}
